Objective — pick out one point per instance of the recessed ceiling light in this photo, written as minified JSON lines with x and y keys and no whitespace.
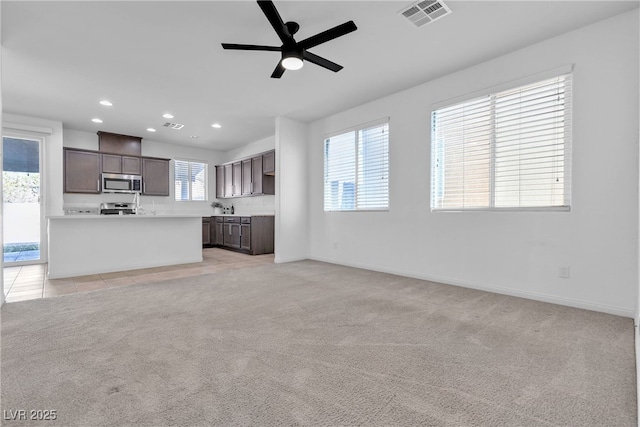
{"x":194,"y":136}
{"x":151,"y":129}
{"x":167,"y":116}
{"x":106,"y":103}
{"x":96,"y":120}
{"x":216,"y":125}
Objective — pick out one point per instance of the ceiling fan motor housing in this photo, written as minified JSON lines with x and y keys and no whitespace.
{"x":292,"y":27}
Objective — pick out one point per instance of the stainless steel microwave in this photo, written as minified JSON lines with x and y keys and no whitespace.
{"x":118,"y":183}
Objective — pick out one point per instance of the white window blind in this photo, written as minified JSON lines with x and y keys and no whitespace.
{"x":506,"y":150}
{"x":190,"y":180}
{"x":356,"y":169}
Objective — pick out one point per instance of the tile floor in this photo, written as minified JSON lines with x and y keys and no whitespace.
{"x":30,"y":282}
{"x":21,"y":256}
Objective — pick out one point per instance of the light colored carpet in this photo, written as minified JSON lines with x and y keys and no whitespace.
{"x":309,"y":343}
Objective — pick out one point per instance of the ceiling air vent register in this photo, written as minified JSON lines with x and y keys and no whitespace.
{"x":426,"y":11}
{"x":173,"y":125}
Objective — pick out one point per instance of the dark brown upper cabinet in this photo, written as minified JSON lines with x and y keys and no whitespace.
{"x":119,"y":144}
{"x":220,"y":181}
{"x":228,"y":180}
{"x":113,"y":163}
{"x":82,"y":171}
{"x":269,"y":163}
{"x":247,"y":184}
{"x":245,"y":177}
{"x":237,"y":179}
{"x":155,"y":176}
{"x":256,"y":175}
{"x":117,"y":154}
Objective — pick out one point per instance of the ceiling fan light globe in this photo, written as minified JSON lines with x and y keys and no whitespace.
{"x":292,"y":63}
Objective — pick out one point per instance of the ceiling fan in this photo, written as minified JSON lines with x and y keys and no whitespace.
{"x":293,"y":52}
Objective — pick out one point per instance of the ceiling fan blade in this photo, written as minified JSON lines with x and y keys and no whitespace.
{"x":330,"y":34}
{"x":318,"y":60}
{"x":249,"y":47}
{"x":270,"y":11}
{"x":278,"y":72}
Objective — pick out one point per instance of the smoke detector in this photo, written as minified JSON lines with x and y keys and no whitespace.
{"x":173,"y":125}
{"x":426,"y":11}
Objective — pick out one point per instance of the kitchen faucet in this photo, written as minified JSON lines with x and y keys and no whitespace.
{"x":136,"y":202}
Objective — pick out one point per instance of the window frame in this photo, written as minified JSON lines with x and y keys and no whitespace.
{"x":356,"y":171}
{"x":491,"y":92}
{"x":190,"y":162}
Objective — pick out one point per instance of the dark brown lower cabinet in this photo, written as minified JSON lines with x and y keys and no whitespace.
{"x":248,"y":234}
{"x":206,"y":231}
{"x":232,"y":232}
{"x":245,"y":233}
{"x":218,"y":231}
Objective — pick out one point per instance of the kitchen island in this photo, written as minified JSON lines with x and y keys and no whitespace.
{"x":92,"y":244}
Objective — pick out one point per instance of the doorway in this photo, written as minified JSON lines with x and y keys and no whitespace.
{"x":21,"y":200}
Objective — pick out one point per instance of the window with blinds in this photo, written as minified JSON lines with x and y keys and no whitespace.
{"x":507,"y":150}
{"x":356,"y":169}
{"x":190,"y":180}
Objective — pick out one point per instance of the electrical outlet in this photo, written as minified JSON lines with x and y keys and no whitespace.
{"x":564,"y":272}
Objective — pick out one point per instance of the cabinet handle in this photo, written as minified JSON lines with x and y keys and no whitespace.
{"x":251,"y":186}
{"x":144,"y":187}
{"x":98,"y":187}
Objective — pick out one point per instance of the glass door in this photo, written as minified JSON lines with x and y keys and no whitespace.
{"x":21,"y":186}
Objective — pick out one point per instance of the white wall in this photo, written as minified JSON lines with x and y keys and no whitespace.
{"x":250,"y":149}
{"x":150,"y":148}
{"x":291,"y":216}
{"x":515,"y":253}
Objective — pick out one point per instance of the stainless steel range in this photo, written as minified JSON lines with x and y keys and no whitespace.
{"x":118,"y":208}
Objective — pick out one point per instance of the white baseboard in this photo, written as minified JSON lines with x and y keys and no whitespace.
{"x":604,"y":308}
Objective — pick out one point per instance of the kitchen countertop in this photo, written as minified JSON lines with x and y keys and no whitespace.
{"x":143,"y":216}
{"x":148,"y":215}
{"x":244,"y":214}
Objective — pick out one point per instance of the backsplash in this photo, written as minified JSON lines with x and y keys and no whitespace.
{"x":251,"y":205}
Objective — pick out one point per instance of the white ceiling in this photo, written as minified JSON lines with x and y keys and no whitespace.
{"x":60,"y":58}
